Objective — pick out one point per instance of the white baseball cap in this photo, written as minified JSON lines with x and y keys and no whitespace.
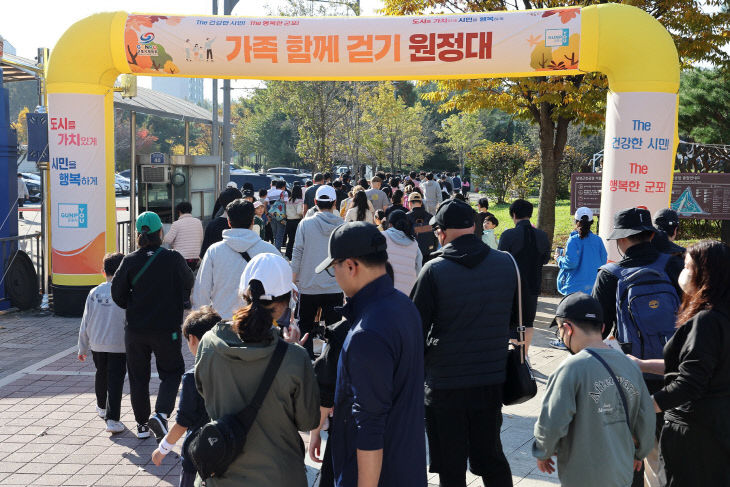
{"x":231,"y":184}
{"x":583,"y":211}
{"x":274,"y":273}
{"x":325,"y":193}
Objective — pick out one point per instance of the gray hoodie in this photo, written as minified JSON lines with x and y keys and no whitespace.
{"x":310,"y":248}
{"x":102,"y":327}
{"x":220,"y":271}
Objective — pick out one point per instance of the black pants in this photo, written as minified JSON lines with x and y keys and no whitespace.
{"x":20,"y":205}
{"x":326,"y":472}
{"x":692,"y":456}
{"x":170,"y":367}
{"x":653,"y":386}
{"x":307,"y":312}
{"x":109,"y":381}
{"x":469,"y":432}
{"x":291,"y":232}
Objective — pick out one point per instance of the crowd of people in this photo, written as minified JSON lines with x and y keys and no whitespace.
{"x":379,"y":310}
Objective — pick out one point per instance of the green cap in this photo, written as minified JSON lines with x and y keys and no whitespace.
{"x":150,"y":220}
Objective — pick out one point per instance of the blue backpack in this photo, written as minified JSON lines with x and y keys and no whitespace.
{"x":646,"y":307}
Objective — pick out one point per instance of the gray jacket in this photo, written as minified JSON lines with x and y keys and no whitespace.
{"x":310,"y":248}
{"x":431,"y":192}
{"x":102,"y":327}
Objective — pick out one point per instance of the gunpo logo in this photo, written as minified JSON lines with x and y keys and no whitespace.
{"x":73,"y":215}
{"x":146,"y":38}
{"x":557,"y":37}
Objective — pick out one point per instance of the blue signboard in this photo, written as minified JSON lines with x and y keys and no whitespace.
{"x":157,"y":158}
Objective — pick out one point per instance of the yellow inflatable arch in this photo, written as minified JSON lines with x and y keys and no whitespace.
{"x":628,"y":45}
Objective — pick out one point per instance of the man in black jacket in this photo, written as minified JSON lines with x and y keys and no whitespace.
{"x":633,"y":234}
{"x":466,"y":297}
{"x":151,"y":284}
{"x":531,"y":249}
{"x":420,"y":218}
{"x":214,"y":228}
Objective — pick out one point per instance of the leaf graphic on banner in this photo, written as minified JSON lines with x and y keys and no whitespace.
{"x":173,"y":20}
{"x":534,"y":40}
{"x":541,"y":57}
{"x":568,"y":55}
{"x":567,"y":15}
{"x":136,"y":22}
{"x":158,"y":62}
{"x":137,"y":63}
{"x":548,"y":13}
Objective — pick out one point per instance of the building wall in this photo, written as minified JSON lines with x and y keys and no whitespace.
{"x":190,"y":89}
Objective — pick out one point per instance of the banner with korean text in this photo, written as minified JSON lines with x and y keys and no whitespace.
{"x":526,"y":43}
{"x":638,"y":155}
{"x":78,"y":185}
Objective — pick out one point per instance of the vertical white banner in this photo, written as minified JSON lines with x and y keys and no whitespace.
{"x":638,"y":155}
{"x":78,"y":185}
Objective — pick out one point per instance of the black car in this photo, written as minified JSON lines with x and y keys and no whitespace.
{"x":258,"y":181}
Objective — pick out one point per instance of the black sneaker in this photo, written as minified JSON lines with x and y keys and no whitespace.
{"x":143,"y":431}
{"x":158,"y":426}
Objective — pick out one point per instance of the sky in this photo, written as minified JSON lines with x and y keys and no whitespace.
{"x":30,"y":24}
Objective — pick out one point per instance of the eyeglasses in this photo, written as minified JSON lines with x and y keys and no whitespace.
{"x":331,"y":269}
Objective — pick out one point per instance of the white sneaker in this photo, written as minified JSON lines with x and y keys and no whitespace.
{"x":114,"y":426}
{"x":101,"y":412}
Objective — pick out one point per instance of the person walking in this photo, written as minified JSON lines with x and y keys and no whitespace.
{"x":531,"y":249}
{"x":480,"y":215}
{"x":431,"y":194}
{"x":316,"y":291}
{"x":294,"y":215}
{"x":22,"y":194}
{"x":311,"y":192}
{"x":695,"y":437}
{"x":583,"y":255}
{"x":420,"y":218}
{"x":273,"y":453}
{"x":643,"y":321}
{"x":214,"y":228}
{"x":587,"y":412}
{"x":151,"y":284}
{"x":216,"y":284}
{"x":378,"y":199}
{"x":277,"y":200}
{"x":467,"y":330}
{"x":377,"y":424}
{"x":102,"y":332}
{"x":360,"y":210}
{"x":403,"y":251}
{"x":186,"y":234}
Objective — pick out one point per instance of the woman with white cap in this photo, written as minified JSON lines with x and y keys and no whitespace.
{"x":230,"y":365}
{"x":584,"y":254}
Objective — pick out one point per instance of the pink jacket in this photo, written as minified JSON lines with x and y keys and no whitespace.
{"x":186,"y":236}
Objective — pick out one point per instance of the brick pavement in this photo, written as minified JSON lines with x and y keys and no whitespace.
{"x":50,"y":434}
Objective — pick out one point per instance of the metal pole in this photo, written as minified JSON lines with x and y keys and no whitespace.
{"x":132,"y":176}
{"x":45,"y":179}
{"x":187,"y":137}
{"x":214,"y":127}
{"x":226,"y":173}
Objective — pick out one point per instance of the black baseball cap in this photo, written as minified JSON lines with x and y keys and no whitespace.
{"x":631,"y":221}
{"x":579,"y":307}
{"x":666,"y":217}
{"x":353,"y":239}
{"x":453,"y":214}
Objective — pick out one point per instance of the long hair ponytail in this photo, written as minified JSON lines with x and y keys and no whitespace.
{"x":584,"y":226}
{"x":253,"y":322}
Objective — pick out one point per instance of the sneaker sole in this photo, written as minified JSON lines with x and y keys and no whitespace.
{"x":157,"y":427}
{"x":114,"y":432}
{"x":144,"y":435}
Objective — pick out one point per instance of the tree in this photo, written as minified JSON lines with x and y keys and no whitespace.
{"x":553,"y":104}
{"x":463,"y":132}
{"x":495,"y":166}
{"x":704,"y":98}
{"x":21,"y":126}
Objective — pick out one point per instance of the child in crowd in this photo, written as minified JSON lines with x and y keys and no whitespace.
{"x":191,"y":413}
{"x":490,"y":223}
{"x":596,"y":405}
{"x":102,"y":332}
{"x":258,"y":219}
{"x":380,"y":221}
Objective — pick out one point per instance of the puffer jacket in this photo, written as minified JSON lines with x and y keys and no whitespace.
{"x":310,"y":248}
{"x":406,"y":259}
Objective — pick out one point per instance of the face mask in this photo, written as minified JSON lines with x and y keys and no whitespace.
{"x":685,"y":281}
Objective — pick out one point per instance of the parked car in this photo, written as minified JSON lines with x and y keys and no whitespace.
{"x":257,"y":180}
{"x":289,"y":178}
{"x":283,"y":170}
{"x":123,"y":184}
{"x":33,"y":183}
{"x":118,"y":190}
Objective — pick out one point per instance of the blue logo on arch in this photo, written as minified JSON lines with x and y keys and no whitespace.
{"x":73,"y":215}
{"x":146,"y":38}
{"x":557,"y":37}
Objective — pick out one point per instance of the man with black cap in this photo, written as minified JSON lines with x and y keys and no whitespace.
{"x":377,"y":426}
{"x":666,"y":224}
{"x":466,"y":296}
{"x":644,"y":327}
{"x":585,"y":417}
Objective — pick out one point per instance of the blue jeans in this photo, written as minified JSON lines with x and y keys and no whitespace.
{"x":279,"y":229}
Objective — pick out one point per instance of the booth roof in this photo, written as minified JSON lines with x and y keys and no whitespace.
{"x":163,"y":105}
{"x":16,"y":68}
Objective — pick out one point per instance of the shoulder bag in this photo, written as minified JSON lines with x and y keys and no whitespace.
{"x":214,"y":446}
{"x":519,"y":385}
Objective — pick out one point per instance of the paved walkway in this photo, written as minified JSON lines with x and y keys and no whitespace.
{"x":50,"y":434}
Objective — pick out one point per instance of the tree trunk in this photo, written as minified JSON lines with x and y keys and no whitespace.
{"x":553,"y":137}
